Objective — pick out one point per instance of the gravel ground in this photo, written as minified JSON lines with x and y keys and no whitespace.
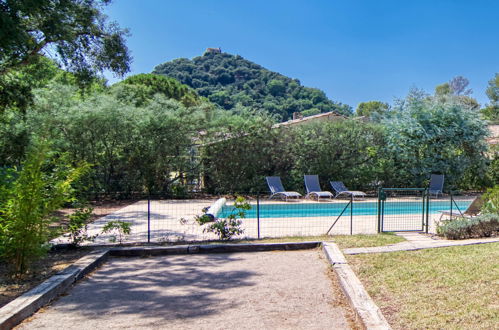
{"x":264,"y":290}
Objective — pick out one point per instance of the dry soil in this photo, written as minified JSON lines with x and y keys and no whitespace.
{"x":261,"y":290}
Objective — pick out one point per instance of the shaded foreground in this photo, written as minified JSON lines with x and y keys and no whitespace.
{"x":292,"y":290}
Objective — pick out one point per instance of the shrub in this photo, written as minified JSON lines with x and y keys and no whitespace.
{"x":491,"y":199}
{"x":119,"y":229}
{"x":435,"y":135}
{"x":78,"y":226}
{"x":349,"y":150}
{"x":42,"y":186}
{"x":226,"y":228}
{"x":461,"y":228}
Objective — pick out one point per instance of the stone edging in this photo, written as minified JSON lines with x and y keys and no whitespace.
{"x":211,"y":248}
{"x":367,"y":311}
{"x":27,"y":304}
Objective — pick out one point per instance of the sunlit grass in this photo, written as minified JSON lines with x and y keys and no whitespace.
{"x":352,"y":241}
{"x":444,"y":288}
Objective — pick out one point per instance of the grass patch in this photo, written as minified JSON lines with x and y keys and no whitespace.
{"x":451,"y":288}
{"x":353,"y":241}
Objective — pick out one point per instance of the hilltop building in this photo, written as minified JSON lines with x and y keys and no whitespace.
{"x":213,"y":51}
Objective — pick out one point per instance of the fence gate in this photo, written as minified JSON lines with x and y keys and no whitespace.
{"x":403,"y":209}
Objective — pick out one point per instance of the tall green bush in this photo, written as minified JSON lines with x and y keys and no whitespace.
{"x":131,"y":148}
{"x":239,"y":159}
{"x":42,"y":185}
{"x":429,"y":134}
{"x":491,"y":199}
{"x":347,"y":150}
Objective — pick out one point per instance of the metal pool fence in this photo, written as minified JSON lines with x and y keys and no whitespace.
{"x":158,"y":219}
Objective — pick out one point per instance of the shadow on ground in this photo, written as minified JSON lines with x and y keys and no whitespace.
{"x":166,"y":288}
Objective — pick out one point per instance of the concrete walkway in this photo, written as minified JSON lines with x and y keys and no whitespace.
{"x":418,"y":241}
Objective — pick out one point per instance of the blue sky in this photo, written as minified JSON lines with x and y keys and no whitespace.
{"x":354,"y":50}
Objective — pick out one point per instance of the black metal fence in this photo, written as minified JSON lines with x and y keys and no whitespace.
{"x":158,"y":219}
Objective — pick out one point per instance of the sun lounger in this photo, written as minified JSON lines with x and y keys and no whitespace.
{"x":276,"y":188}
{"x":340,"y":189}
{"x":313,"y":187}
{"x":436,"y":184}
{"x":473,"y":210}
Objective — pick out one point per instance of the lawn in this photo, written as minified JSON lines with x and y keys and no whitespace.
{"x":354,"y":241}
{"x":451,"y":288}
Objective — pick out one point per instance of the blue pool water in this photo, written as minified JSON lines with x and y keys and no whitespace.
{"x":304,"y":210}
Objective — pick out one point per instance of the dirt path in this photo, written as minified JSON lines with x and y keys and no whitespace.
{"x":264,"y":290}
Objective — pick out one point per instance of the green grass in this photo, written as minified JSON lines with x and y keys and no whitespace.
{"x":444,"y":288}
{"x":347,"y":241}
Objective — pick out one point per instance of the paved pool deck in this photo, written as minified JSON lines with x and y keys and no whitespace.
{"x":174,"y":220}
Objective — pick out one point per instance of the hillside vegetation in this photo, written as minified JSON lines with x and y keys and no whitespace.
{"x":234,"y":83}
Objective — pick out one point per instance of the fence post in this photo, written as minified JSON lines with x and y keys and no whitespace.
{"x":379,"y":211}
{"x":351,"y":214}
{"x":427,"y":193}
{"x":258,"y":213}
{"x":148,"y":218}
{"x":451,"y":202}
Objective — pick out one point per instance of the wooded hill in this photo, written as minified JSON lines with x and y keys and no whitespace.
{"x":235,"y":83}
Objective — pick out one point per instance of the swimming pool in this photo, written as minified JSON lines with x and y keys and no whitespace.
{"x":306,"y":210}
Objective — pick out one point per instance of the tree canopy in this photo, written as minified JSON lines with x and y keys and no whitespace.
{"x":491,"y":111}
{"x":371,"y":108}
{"x":230,"y":80}
{"x":73,"y":33}
{"x":140,"y":89}
{"x":433,"y":135}
{"x":75,"y":30}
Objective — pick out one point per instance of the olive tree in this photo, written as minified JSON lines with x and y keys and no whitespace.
{"x":429,"y":134}
{"x":130,"y":148}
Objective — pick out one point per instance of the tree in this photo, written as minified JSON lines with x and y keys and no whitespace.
{"x":250,"y":151}
{"x":131,"y":148}
{"x":458,"y":86}
{"x":140,"y":90}
{"x":434,"y":135}
{"x":372,"y":108}
{"x":443,"y":89}
{"x":456,"y":89}
{"x":41,"y":187}
{"x":276,"y":87}
{"x":491,"y":111}
{"x":229,"y":80}
{"x":74,"y":31}
{"x":493,"y":89}
{"x":243,"y":153}
{"x":16,"y":86}
{"x":350,"y":150}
